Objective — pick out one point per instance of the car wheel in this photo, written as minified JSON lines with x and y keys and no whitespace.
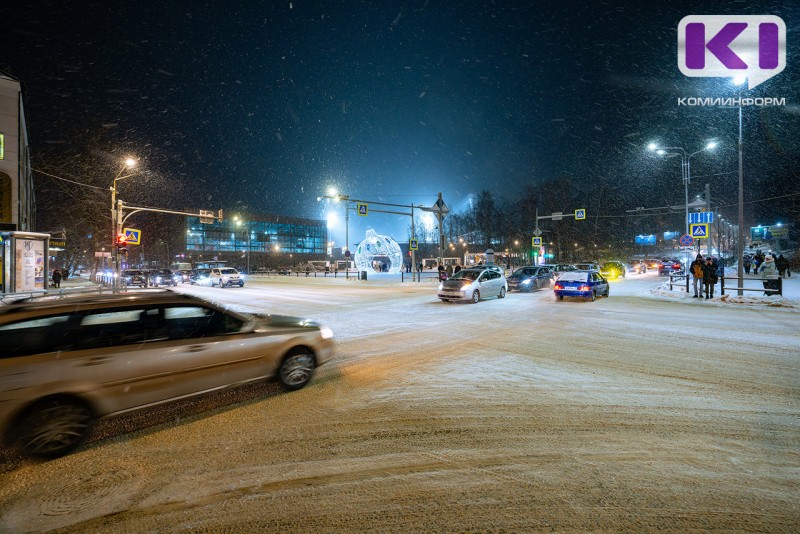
{"x":476,"y":296}
{"x":606,"y":293}
{"x":241,"y":284}
{"x":445,"y":300}
{"x":502,"y":294}
{"x":593,"y":297}
{"x":53,"y":427}
{"x":296,"y":370}
{"x":560,"y":297}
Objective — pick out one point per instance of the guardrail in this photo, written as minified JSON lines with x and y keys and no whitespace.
{"x":777,"y":289}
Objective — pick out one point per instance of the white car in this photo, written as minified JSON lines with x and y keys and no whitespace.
{"x":226,"y":276}
{"x":473,"y":284}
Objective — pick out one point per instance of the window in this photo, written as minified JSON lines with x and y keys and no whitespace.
{"x":186,"y":322}
{"x":36,"y":336}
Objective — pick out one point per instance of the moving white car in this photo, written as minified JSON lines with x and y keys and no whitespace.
{"x":226,"y":276}
{"x":473,"y":284}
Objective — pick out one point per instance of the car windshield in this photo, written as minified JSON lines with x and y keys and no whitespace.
{"x":227,"y":271}
{"x":466,"y":274}
{"x":573,"y":276}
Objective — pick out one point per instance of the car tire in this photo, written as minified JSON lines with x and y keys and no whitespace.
{"x":54,"y":426}
{"x":241,"y":284}
{"x":476,"y":296}
{"x":296,"y":369}
{"x":502,"y":294}
{"x":445,"y":300}
{"x":606,"y":293}
{"x":560,"y":297}
{"x":593,"y":297}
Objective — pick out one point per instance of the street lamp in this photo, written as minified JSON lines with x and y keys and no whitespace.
{"x":685,"y":169}
{"x":739,"y":81}
{"x":239,"y":222}
{"x":129,"y":163}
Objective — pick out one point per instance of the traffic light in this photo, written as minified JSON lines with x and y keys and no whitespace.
{"x":121,"y":240}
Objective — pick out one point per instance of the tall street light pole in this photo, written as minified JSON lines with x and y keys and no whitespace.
{"x":739,"y":80}
{"x":685,"y":170}
{"x":115,"y":221}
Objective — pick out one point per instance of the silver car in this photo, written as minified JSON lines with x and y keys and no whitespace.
{"x":66,"y":362}
{"x":473,"y":284}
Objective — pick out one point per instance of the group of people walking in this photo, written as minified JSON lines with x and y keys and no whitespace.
{"x":706,"y":273}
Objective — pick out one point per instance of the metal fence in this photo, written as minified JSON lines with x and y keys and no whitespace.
{"x":775,"y":287}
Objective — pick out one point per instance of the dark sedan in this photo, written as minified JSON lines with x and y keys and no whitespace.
{"x":530,"y":278}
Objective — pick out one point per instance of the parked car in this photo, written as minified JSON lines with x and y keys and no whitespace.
{"x":226,"y":277}
{"x":67,"y":362}
{"x":559,"y":267}
{"x":134,"y":277}
{"x":586,"y":284}
{"x":669,"y":265}
{"x":637,"y":266}
{"x":200,"y":277}
{"x":653,"y":263}
{"x":530,"y":278}
{"x":473,"y":284}
{"x":613,"y":269}
{"x":163,"y":277}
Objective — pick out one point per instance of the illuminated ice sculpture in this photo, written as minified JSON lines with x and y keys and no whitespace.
{"x":378,"y":248}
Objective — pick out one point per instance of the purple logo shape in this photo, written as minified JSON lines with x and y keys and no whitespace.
{"x":730,"y":45}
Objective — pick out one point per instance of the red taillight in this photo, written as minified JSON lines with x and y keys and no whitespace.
{"x":558,"y":286}
{"x":584,"y":288}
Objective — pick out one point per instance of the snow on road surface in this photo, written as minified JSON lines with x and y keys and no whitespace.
{"x":643,"y":411}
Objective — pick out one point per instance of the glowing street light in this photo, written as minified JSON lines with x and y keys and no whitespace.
{"x":116,"y":223}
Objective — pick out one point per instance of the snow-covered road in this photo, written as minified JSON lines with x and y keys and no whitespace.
{"x":644,"y":411}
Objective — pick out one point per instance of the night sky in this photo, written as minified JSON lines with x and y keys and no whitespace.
{"x":259,"y":107}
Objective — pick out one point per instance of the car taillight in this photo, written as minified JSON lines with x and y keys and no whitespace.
{"x":558,"y":286}
{"x":584,"y":288}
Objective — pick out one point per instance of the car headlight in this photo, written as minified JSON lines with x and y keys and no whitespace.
{"x":325,"y":332}
{"x":465,"y":287}
{"x":528,"y":281}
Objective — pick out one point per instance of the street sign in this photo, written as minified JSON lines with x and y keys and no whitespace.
{"x":580,"y":214}
{"x":698,"y":231}
{"x":413,"y":244}
{"x":102,"y":254}
{"x":557,"y":215}
{"x":699,"y":217}
{"x":132,"y":236}
{"x":536,"y":242}
{"x":537,"y":232}
{"x":206,"y":217}
{"x":346,"y":253}
{"x":363,"y":209}
{"x":440,"y":207}
{"x":686,"y":240}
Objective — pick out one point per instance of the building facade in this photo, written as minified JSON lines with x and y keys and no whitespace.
{"x":257,"y":241}
{"x":16,"y":180}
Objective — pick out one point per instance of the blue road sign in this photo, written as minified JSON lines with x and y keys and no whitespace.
{"x":132,"y":236}
{"x":700,"y":217}
{"x":698,"y":231}
{"x":580,"y":214}
{"x":413,"y":244}
{"x":686,"y":240}
{"x":536,"y":242}
{"x":363,"y":209}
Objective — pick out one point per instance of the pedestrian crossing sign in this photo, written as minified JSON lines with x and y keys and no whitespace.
{"x":413,"y":244}
{"x":132,"y":236}
{"x":537,"y":242}
{"x":699,"y":230}
{"x":363,"y":209}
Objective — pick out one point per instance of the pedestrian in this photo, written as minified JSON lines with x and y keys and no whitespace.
{"x":709,"y":278}
{"x":457,"y":269}
{"x":696,"y":268}
{"x":782,"y":264}
{"x":769,"y":275}
{"x":747,"y":264}
{"x":56,"y":278}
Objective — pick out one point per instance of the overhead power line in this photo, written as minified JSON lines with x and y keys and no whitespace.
{"x":68,"y":180}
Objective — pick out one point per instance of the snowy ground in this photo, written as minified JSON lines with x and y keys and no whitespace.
{"x":646,"y":411}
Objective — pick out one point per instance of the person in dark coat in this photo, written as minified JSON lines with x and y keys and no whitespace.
{"x":747,"y":264}
{"x":56,"y":278}
{"x":697,"y":270}
{"x":782,"y":264}
{"x":709,"y":278}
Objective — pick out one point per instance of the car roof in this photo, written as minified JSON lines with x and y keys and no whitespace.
{"x":46,"y":304}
